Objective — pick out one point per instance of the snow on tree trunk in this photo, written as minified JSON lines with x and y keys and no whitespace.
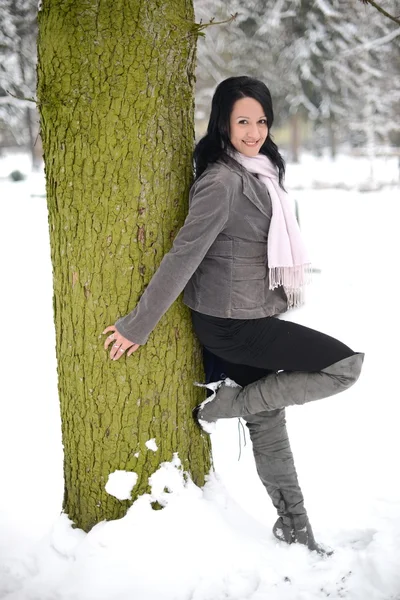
{"x":116,"y":95}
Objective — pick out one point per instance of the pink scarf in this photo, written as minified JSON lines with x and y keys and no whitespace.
{"x":288,"y":262}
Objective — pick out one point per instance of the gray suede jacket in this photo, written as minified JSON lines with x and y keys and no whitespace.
{"x":219,"y":257}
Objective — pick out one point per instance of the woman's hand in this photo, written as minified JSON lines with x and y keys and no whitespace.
{"x":120,"y":343}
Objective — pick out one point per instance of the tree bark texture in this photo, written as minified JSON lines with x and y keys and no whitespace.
{"x":116,"y":98}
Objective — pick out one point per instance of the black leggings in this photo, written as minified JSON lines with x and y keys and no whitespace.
{"x":248,"y":349}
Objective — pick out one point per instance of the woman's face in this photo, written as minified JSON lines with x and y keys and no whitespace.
{"x":248,"y":126}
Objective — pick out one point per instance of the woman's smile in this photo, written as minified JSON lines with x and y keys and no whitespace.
{"x":249,"y":143}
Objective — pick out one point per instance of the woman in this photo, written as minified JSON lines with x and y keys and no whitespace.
{"x":241,"y":261}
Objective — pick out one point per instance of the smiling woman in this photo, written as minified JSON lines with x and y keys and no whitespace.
{"x":241,"y":261}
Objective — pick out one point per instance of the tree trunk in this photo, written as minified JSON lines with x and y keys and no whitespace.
{"x":116,"y":96}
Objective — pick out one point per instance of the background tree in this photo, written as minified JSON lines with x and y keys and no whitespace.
{"x":321,"y":59}
{"x":18,"y":31}
{"x":341,"y":55}
{"x":116,"y":98}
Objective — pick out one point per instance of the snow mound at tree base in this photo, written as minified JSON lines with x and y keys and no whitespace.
{"x":200,"y":546}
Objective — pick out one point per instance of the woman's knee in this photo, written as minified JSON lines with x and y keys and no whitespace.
{"x":346,"y":371}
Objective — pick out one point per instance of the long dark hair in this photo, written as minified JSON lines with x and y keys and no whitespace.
{"x":214,"y":144}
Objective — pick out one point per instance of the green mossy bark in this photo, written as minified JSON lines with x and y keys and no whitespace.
{"x":116,"y":100}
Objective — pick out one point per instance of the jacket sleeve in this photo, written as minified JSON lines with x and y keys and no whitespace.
{"x":209,"y":203}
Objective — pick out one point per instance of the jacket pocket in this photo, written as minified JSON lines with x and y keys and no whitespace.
{"x":221,"y":248}
{"x":248,"y":284}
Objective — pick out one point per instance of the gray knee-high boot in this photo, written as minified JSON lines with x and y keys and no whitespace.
{"x":276,"y":469}
{"x":279,"y":390}
{"x":274,"y":462}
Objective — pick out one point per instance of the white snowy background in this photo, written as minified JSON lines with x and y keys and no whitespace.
{"x":216,"y":543}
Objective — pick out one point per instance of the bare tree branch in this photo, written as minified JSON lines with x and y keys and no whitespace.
{"x":382,"y":10}
{"x":5,"y":99}
{"x":199,"y":26}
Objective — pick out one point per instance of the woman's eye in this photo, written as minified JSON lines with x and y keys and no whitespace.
{"x":244,"y":122}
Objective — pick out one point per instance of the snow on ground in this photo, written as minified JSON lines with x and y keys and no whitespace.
{"x":345,"y":172}
{"x":216,"y":543}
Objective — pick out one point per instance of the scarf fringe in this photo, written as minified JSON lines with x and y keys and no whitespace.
{"x":295,"y":298}
{"x":290,"y":277}
{"x":293,"y":280}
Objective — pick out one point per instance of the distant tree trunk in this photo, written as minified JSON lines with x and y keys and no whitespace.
{"x":332,"y":137}
{"x":295,"y":137}
{"x":369,"y":128}
{"x":28,"y":119}
{"x":37,"y":153}
{"x":34,"y":141}
{"x":116,"y":96}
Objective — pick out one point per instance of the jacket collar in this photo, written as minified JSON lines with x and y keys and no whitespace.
{"x":252,"y":187}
